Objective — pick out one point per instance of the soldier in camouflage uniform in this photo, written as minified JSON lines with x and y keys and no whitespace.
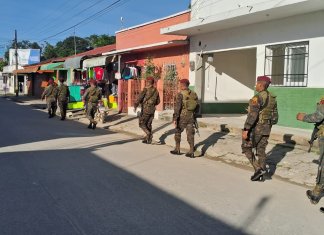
{"x":185,"y":109}
{"x":50,"y":93}
{"x":262,"y":114}
{"x":63,"y":98}
{"x":148,"y":99}
{"x":91,"y":99}
{"x":317,"y":117}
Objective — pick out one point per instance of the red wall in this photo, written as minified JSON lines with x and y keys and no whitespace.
{"x":150,"y":33}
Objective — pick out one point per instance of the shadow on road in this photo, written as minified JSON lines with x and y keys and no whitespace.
{"x":74,"y":191}
{"x":279,"y":152}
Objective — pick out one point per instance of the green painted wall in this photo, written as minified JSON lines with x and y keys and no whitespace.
{"x":224,"y":108}
{"x":294,"y":100}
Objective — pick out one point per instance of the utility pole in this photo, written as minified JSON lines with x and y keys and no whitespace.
{"x":74,"y":43}
{"x":16,"y":58}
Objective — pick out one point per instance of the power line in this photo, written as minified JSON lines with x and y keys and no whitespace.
{"x":99,"y":13}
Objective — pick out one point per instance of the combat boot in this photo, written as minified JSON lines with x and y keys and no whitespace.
{"x":176,"y":151}
{"x":149,"y":139}
{"x":316,"y":194}
{"x":94,"y":125}
{"x":258,"y":175}
{"x":191,"y":152}
{"x":90,"y":126}
{"x":322,"y":209}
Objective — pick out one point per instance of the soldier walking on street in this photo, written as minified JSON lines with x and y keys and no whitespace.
{"x":50,"y":93}
{"x":262,"y":114}
{"x":148,"y":99}
{"x":63,"y":98}
{"x":317,"y":117}
{"x":91,"y":99}
{"x":186,"y":107}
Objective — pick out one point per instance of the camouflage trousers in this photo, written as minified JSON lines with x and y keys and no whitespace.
{"x":145,"y":123}
{"x":63,"y":107}
{"x":320,"y":172}
{"x":51,"y":106}
{"x":190,"y":129}
{"x":259,"y":142}
{"x":91,"y":111}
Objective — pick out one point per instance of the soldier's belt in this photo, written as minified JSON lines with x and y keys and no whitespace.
{"x":264,"y":122}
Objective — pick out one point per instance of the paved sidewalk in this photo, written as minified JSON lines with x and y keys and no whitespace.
{"x":220,"y":140}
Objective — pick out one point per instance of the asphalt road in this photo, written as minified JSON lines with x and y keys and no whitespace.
{"x":62,"y":178}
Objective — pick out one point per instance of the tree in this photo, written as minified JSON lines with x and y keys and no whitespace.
{"x":66,"y":47}
{"x":49,"y":52}
{"x":2,"y":64}
{"x":100,"y":40}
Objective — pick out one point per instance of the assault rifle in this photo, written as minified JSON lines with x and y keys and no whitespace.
{"x":196,"y":125}
{"x":314,"y":135}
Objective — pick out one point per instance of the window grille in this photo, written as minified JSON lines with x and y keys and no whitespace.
{"x":287,"y":64}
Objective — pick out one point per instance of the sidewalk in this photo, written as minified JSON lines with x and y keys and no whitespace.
{"x":220,"y":139}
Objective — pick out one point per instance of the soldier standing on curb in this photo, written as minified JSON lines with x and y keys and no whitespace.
{"x":91,"y":98}
{"x":262,"y":114}
{"x":318,"y":117}
{"x":50,"y":93}
{"x":148,"y":99}
{"x":185,"y":109}
{"x":63,"y":98}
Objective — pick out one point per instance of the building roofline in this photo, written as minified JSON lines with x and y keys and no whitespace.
{"x":153,"y":21}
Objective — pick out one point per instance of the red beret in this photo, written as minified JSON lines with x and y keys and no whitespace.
{"x":150,"y":79}
{"x":92,"y":81}
{"x":264,"y":79}
{"x":185,"y":81}
{"x":50,"y":81}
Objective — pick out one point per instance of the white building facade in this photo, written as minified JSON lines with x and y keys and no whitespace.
{"x":233,"y":42}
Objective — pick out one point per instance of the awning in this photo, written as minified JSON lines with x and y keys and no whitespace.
{"x":73,"y":63}
{"x":52,"y":66}
{"x":29,"y":69}
{"x":95,"y":62}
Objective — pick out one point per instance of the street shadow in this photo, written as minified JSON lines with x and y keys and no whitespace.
{"x":21,"y":119}
{"x":76,"y":191}
{"x":127,"y":119}
{"x":278,"y":153}
{"x":255,"y":213}
{"x":165,"y":135}
{"x":211,"y":140}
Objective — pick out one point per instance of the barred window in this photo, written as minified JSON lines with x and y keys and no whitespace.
{"x":287,"y":64}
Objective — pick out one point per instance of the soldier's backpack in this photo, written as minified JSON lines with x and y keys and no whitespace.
{"x":189,"y":101}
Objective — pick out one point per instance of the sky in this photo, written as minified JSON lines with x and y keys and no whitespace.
{"x":39,"y":20}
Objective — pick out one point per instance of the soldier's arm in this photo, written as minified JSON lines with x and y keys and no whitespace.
{"x":68,"y":93}
{"x":158,"y":98}
{"x":316,"y":117}
{"x":140,"y":98}
{"x":254,"y":108}
{"x":85,"y":95}
{"x":44,"y":93}
{"x":177,"y":107}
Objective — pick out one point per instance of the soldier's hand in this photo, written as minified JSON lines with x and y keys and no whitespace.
{"x":245,"y":135}
{"x":175,"y":123}
{"x":300,"y":116}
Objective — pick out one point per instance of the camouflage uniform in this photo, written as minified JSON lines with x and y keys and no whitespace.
{"x":50,"y":93}
{"x":92,"y":96}
{"x":262,"y":114}
{"x":63,"y":99}
{"x":148,"y":99}
{"x":184,"y":119}
{"x":318,"y":117}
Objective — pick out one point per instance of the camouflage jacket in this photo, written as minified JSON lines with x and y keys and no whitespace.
{"x":180,"y":113}
{"x":256,"y":105}
{"x":63,"y":93}
{"x":50,"y":92}
{"x":92,"y":95}
{"x":148,"y":99}
{"x":316,"y":117}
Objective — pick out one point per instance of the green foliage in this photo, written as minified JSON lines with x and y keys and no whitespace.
{"x":171,"y":73}
{"x":2,"y":64}
{"x":100,"y":40}
{"x":66,"y":47}
{"x":150,"y":70}
{"x":49,"y":52}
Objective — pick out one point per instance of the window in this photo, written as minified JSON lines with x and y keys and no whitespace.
{"x":287,"y":64}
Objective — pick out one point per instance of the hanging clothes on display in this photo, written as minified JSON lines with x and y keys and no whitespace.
{"x":99,"y":72}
